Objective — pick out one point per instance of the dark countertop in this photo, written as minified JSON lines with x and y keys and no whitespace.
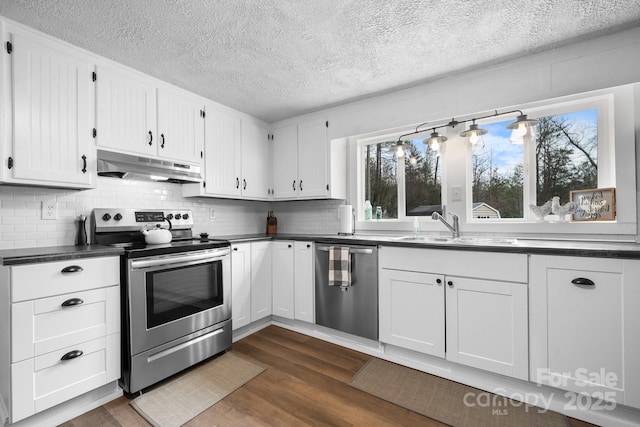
{"x":525,"y":246}
{"x":55,"y":253}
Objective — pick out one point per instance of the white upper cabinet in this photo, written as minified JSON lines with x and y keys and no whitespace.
{"x":256,"y":158}
{"x":305,"y":164}
{"x":180,"y":126}
{"x":51,"y":114}
{"x":125,"y":112}
{"x":236,"y":157}
{"x":285,"y":162}
{"x":136,"y":116}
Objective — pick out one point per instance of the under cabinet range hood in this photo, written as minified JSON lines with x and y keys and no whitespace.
{"x":130,"y":166}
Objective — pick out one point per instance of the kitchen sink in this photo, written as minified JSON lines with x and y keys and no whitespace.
{"x":466,"y":240}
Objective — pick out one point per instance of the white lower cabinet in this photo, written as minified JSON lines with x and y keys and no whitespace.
{"x":64,"y":331}
{"x":261,"y":267}
{"x":283,"y":278}
{"x":240,"y":285}
{"x":411,"y":310}
{"x":585,"y":327}
{"x":303,"y":279}
{"x":480,"y":312}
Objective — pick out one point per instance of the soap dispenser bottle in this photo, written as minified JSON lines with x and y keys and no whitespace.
{"x":416,"y":227}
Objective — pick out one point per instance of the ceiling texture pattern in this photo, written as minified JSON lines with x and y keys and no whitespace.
{"x":276,"y":59}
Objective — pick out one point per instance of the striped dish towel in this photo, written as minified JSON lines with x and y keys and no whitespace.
{"x":339,"y":266}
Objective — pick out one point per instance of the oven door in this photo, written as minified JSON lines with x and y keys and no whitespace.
{"x":175,"y":295}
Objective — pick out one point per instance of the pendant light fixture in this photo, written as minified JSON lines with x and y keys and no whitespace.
{"x":435,"y":140}
{"x":474,"y":133}
{"x":522,"y":130}
{"x":399,"y":149}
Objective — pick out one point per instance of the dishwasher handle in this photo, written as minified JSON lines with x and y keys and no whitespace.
{"x":352,"y":250}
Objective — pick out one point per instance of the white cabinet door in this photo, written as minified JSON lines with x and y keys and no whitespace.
{"x":260,"y":280}
{"x":585,"y":326}
{"x":125,"y":112}
{"x":285,"y":162}
{"x":223,"y":154}
{"x":241,"y":285}
{"x":283,"y":289}
{"x":303,"y":278}
{"x":256,"y":158}
{"x":412,"y":310}
{"x":487,"y":325}
{"x":312,"y":159}
{"x":180,"y":126}
{"x":52,"y":123}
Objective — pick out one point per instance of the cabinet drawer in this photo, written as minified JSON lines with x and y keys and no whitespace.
{"x":44,"y":325}
{"x":53,"y":278}
{"x":45,"y":381}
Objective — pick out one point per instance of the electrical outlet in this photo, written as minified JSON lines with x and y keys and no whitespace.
{"x":49,"y":210}
{"x":212,"y":214}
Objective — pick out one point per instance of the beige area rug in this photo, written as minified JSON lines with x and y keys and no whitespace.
{"x":447,"y":401}
{"x":181,"y":399}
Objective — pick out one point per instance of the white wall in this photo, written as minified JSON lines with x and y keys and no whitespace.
{"x":581,"y":67}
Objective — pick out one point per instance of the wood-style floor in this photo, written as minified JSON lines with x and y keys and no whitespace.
{"x":306,"y":383}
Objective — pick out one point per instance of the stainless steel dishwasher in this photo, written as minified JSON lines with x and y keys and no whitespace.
{"x":355,"y":309}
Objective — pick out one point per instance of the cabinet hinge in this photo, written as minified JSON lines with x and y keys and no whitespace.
{"x":9,"y":48}
{"x":326,"y":123}
{"x":94,"y":132}
{"x":94,"y":76}
{"x":10,"y":162}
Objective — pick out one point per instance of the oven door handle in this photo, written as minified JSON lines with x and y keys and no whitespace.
{"x":180,"y":259}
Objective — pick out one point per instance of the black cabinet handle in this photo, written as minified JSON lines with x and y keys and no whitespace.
{"x":288,"y":246}
{"x":582,"y":281}
{"x":237,"y":183}
{"x":244,"y":184}
{"x":150,"y":138}
{"x":450,"y":283}
{"x":438,"y":281}
{"x":162,"y":143}
{"x":235,"y":249}
{"x":308,"y":246}
{"x":72,"y":269}
{"x":72,"y":355}
{"x":84,"y":164}
{"x":71,"y":302}
{"x":300,"y":185}
{"x":294,"y":185}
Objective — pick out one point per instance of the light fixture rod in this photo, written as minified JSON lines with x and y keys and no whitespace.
{"x":455,"y":122}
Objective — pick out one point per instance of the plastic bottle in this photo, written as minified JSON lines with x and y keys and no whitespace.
{"x":378,"y":212}
{"x":368,"y":210}
{"x":416,"y":227}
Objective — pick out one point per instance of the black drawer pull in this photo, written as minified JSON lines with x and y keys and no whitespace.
{"x":72,"y":355}
{"x":71,"y":302}
{"x":72,"y":269}
{"x":581,"y":281}
{"x":450,"y":283}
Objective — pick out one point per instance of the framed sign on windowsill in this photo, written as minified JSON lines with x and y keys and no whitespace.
{"x":598,"y":204}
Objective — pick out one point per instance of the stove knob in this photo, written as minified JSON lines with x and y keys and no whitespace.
{"x":169,"y":217}
{"x":106,"y":217}
{"x":117,"y":217}
{"x":185,"y":216}
{"x":178,"y":216}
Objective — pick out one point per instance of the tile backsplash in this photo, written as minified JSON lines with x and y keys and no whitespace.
{"x":21,"y":223}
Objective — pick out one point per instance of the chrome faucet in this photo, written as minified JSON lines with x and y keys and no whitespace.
{"x":455,"y":229}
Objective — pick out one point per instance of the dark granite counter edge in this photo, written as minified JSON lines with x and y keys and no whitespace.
{"x":55,"y":253}
{"x":612,"y":250}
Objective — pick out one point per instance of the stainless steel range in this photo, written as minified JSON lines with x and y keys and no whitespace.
{"x":176,"y":297}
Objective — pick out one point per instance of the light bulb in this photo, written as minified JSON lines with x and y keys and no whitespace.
{"x":399,"y":152}
{"x":521,"y":129}
{"x":435,"y":145}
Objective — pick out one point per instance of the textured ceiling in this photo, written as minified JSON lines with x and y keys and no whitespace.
{"x":276,"y":59}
